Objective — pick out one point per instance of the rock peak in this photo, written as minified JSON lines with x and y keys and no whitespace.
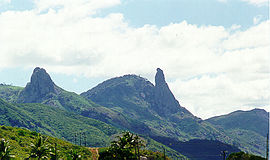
{"x":38,"y":69}
{"x":164,"y":100}
{"x":39,"y":87}
{"x":41,"y":78}
{"x":159,"y":78}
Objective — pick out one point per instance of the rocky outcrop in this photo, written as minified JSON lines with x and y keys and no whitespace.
{"x":41,"y":87}
{"x":164,"y":100}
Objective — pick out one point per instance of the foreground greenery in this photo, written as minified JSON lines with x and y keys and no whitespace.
{"x":128,"y":146}
{"x":21,"y":144}
{"x":244,"y":156}
{"x":18,"y":143}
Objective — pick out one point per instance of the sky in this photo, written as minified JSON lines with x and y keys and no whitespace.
{"x":214,"y":53}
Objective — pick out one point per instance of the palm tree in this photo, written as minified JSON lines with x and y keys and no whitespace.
{"x":5,"y":150}
{"x":123,"y":147}
{"x":75,"y":155}
{"x":54,"y":152}
{"x":40,"y":148}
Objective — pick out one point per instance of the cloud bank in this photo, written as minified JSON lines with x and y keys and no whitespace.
{"x":4,"y":2}
{"x":258,"y":3}
{"x":212,"y":70}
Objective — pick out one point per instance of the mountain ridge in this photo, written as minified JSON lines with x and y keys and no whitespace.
{"x":134,"y":103}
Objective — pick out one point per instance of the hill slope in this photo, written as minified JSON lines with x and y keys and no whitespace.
{"x":248,"y":127}
{"x":10,"y":93}
{"x":55,"y":122}
{"x":62,"y":124}
{"x":20,"y":141}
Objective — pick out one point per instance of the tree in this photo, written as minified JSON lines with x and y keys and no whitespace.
{"x":138,"y":143}
{"x":74,"y":155}
{"x":40,"y":148}
{"x":244,"y":156}
{"x":5,"y":150}
{"x":124,"y":147}
{"x":54,"y":152}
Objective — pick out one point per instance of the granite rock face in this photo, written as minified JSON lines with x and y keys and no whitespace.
{"x":164,"y":100}
{"x":41,"y":87}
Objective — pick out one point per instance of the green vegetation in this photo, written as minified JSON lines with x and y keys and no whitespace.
{"x":133,"y":96}
{"x":129,"y":103}
{"x":18,"y":143}
{"x":5,"y":150}
{"x":248,"y":129}
{"x":62,"y":124}
{"x":55,"y":122}
{"x":128,"y":146}
{"x":40,"y":148}
{"x":10,"y":93}
{"x":24,"y":143}
{"x":244,"y":156}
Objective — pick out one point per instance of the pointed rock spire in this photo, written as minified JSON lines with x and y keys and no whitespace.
{"x":159,"y":78}
{"x":39,"y":87}
{"x":165,"y":102}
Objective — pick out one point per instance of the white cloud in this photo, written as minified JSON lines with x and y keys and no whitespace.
{"x":235,"y":27}
{"x":257,"y":2}
{"x":257,"y":19}
{"x":75,"y":80}
{"x":4,"y":2}
{"x":74,"y":8}
{"x":223,"y":1}
{"x":210,"y":69}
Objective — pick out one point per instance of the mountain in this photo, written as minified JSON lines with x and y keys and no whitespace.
{"x":62,"y":118}
{"x":255,"y":120}
{"x":156,"y":107}
{"x":153,"y":105}
{"x":129,"y":102}
{"x":42,"y":89}
{"x":134,"y":96}
{"x":248,"y":127}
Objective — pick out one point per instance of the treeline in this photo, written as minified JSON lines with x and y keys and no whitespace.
{"x":42,"y":148}
{"x":244,"y":156}
{"x":127,"y":146}
{"x":17,"y":143}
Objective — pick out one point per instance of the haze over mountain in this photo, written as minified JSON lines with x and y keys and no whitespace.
{"x":131,"y":102}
